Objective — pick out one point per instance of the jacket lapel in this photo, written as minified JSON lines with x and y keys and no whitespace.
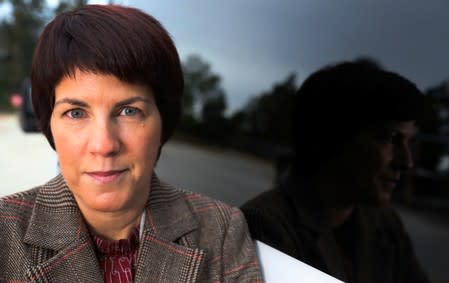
{"x":63,"y":251}
{"x":61,"y":247}
{"x":375,"y":258}
{"x":161,"y":257}
{"x":331,"y":257}
{"x":325,"y":244}
{"x":312,"y":225}
{"x":164,"y":261}
{"x":75,"y":263}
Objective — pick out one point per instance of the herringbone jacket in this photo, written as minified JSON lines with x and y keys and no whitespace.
{"x":187,"y":238}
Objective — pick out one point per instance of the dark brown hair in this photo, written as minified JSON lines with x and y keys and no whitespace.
{"x":338,"y":101}
{"x":107,"y":39}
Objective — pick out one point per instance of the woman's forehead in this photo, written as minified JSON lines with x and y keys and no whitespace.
{"x":404,"y":128}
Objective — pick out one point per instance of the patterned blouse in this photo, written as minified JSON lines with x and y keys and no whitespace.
{"x":118,"y":258}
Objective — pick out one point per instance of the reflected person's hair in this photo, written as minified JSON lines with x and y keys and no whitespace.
{"x":108,"y":39}
{"x":336,"y":102}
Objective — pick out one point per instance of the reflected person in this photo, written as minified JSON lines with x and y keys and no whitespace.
{"x":107,"y":88}
{"x":353,"y":125}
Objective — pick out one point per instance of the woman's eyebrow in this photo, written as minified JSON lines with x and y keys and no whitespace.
{"x":72,"y":101}
{"x":77,"y":102}
{"x":132,"y":100}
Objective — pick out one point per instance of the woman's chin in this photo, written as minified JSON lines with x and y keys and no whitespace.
{"x":106,"y":202}
{"x":384,"y":199}
{"x":384,"y":195}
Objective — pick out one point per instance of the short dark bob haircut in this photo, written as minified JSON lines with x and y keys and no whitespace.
{"x":338,"y":101}
{"x":112,"y":40}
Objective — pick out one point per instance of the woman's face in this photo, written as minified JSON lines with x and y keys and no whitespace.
{"x":369,"y":167}
{"x":107,"y":135}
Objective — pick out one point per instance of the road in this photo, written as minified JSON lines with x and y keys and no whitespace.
{"x":27,"y":160}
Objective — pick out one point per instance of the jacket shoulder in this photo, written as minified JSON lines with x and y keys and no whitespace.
{"x":201,"y":206}
{"x":269,"y":208}
{"x":270,"y":201}
{"x":18,"y":205}
{"x":223,"y":233}
{"x":207,"y":213}
{"x":207,"y":209}
{"x":15,"y":215}
{"x":15,"y":212}
{"x":272,"y":220}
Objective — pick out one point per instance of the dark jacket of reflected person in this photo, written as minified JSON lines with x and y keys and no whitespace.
{"x":353,"y":128}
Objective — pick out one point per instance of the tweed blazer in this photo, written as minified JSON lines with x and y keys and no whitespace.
{"x":187,"y":238}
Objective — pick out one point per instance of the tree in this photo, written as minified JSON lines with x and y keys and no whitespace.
{"x":434,"y":127}
{"x":213,"y":121}
{"x":264,"y":126}
{"x":69,"y":5}
{"x":204,"y":100}
{"x":19,"y":34}
{"x":270,"y":115}
{"x":437,"y":116}
{"x":199,"y":83}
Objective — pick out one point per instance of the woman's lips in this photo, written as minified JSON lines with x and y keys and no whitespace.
{"x":105,"y":177}
{"x":387,"y":188}
{"x":390,"y":183}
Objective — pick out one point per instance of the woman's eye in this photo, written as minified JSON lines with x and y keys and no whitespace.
{"x":129,"y":111}
{"x":76,"y":113}
{"x":387,"y":137}
{"x":391,"y":138}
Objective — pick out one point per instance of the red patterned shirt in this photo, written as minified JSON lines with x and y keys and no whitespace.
{"x":117,"y":259}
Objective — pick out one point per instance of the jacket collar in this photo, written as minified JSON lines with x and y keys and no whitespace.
{"x":161,"y":257}
{"x":371,"y":243}
{"x":307,"y":205}
{"x":168,"y":214}
{"x":375,"y":256}
{"x":56,"y":225}
{"x":299,"y":191}
{"x":311,"y":223}
{"x":56,"y":221}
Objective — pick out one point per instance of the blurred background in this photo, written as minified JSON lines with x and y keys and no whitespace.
{"x":243,"y":62}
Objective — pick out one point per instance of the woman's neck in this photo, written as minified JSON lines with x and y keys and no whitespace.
{"x":338,"y":216}
{"x":113,"y":225}
{"x":337,"y":209}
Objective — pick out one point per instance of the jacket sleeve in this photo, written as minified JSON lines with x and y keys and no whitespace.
{"x":240,"y":262}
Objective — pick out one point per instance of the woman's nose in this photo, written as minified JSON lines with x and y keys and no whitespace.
{"x":104,"y":139}
{"x":403,"y":157}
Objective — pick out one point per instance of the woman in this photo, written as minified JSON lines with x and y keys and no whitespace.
{"x":107,"y":88}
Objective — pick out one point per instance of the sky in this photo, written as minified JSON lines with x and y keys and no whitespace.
{"x":253,"y":44}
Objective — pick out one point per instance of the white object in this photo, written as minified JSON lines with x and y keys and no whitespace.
{"x":280,"y":267}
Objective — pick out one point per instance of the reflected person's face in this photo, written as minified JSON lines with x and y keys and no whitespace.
{"x":372,"y":162}
{"x":107,"y":135}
